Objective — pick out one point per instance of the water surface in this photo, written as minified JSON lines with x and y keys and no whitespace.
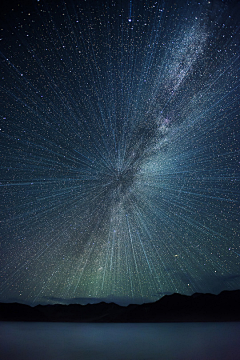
{"x":60,"y":341}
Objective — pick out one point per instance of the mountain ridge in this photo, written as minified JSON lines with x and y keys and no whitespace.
{"x":198,"y":307}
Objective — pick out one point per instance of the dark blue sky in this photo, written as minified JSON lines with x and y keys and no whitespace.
{"x":120,"y":150}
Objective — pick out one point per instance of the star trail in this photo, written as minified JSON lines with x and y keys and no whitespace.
{"x":119,"y":150}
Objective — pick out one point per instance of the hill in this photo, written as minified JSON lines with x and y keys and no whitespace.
{"x":170,"y":308}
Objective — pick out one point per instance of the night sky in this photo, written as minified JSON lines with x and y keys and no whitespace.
{"x":119,"y":150}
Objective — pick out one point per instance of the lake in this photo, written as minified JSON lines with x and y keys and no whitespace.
{"x":78,"y":341}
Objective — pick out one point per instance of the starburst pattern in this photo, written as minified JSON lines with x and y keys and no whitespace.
{"x":120,"y":150}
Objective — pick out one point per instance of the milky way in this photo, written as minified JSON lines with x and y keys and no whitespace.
{"x":120,"y":150}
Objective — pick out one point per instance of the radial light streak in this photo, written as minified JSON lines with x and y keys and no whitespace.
{"x":120,"y":150}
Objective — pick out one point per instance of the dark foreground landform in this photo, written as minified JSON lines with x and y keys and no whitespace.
{"x":170,"y":308}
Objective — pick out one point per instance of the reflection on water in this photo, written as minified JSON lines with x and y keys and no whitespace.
{"x":67,"y":341}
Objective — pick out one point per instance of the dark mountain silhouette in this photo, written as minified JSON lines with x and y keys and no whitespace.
{"x":170,"y":308}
